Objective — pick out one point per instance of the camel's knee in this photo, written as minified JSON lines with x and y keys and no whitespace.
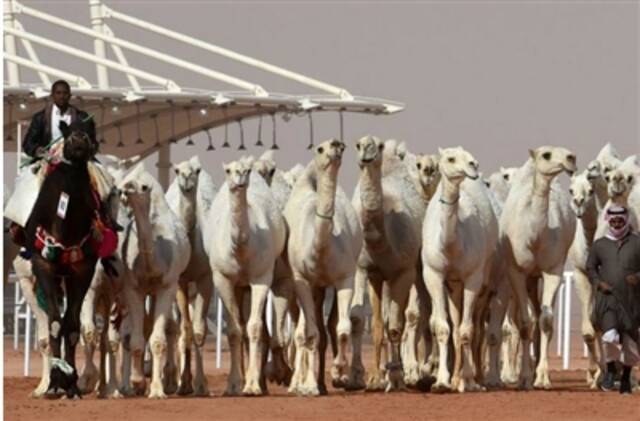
{"x":234,"y":335}
{"x":357,"y":319}
{"x":254,"y":330}
{"x":412,"y":318}
{"x":344,"y":327}
{"x":466,"y":333}
{"x":134,"y":343}
{"x":546,"y":320}
{"x":54,"y":328}
{"x":158,"y":345}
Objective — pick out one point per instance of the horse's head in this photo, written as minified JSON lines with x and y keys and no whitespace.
{"x":78,"y":146}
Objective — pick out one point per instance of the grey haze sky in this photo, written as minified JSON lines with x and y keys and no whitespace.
{"x":496,"y":77}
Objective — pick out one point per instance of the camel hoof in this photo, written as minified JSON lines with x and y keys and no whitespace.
{"x":233,"y":390}
{"x":184,"y":389}
{"x":305,"y":390}
{"x":338,"y":383}
{"x":252,"y":389}
{"x":376,"y":383}
{"x":157,"y":395}
{"x":525,"y":385}
{"x":494,"y":385}
{"x":201,"y":390}
{"x":139,"y":388}
{"x":441,"y":387}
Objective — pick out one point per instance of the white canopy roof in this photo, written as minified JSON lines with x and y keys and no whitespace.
{"x":141,"y":119}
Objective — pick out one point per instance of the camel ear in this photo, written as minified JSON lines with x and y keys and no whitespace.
{"x":129,"y":162}
{"x":249,"y":160}
{"x":175,"y":169}
{"x":532,"y":153}
{"x":440,"y":153}
{"x":502,"y":169}
{"x":64,"y":128}
{"x":195,"y":162}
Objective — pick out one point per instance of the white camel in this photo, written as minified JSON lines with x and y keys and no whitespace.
{"x":623,"y":187}
{"x":155,"y":251}
{"x":192,"y":188}
{"x":460,"y":233}
{"x":500,"y":182}
{"x":246,"y":234}
{"x":585,"y":207}
{"x":324,"y":243}
{"x":537,"y":226}
{"x":391,"y":210}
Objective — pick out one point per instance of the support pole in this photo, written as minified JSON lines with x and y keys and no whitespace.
{"x":218,"y":332}
{"x":97,"y":23}
{"x":27,"y":341}
{"x":164,"y":165}
{"x":566,"y":352}
{"x":560,"y":313}
{"x":10,"y":44}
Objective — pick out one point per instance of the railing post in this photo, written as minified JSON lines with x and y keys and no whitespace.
{"x":97,"y":22}
{"x":566,"y":352}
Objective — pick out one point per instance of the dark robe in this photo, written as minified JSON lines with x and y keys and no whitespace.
{"x":610,"y":261}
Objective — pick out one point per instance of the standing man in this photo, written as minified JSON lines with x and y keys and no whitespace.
{"x":614,"y":270}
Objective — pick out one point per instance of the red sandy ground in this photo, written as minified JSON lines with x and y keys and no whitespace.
{"x":570,"y":400}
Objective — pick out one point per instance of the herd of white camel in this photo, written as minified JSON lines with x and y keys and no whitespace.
{"x":461,"y":270}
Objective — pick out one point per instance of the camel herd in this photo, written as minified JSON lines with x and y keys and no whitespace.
{"x":461,"y":271}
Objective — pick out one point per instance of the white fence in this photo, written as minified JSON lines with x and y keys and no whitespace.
{"x":22,"y":311}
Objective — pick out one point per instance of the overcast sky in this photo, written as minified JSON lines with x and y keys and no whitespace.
{"x":496,"y":77}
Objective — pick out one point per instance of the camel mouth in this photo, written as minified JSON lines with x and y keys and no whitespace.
{"x":473,"y":177}
{"x":366,"y":160}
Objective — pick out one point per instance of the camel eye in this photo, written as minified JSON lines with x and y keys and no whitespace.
{"x":630,"y":179}
{"x":177,"y":171}
{"x":607,"y":178}
{"x":198,"y":171}
{"x":145,"y":188}
{"x":320,"y":149}
{"x":357,"y":146}
{"x":381,"y":146}
{"x":571,"y":192}
{"x":487,"y":183}
{"x":419,"y":166}
{"x":451,"y":160}
{"x":272,"y":172}
{"x":506,"y":177}
{"x":227,"y":170}
{"x":546,"y":155}
{"x":590,"y":192}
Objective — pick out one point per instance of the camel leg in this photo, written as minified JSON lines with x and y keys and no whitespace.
{"x":551,"y":283}
{"x":376,"y":379}
{"x":585,"y":295}
{"x":135,"y":304}
{"x":497,"y":310}
{"x":226,"y":290}
{"x":455,"y":298}
{"x":510,"y":341}
{"x":259,"y":291}
{"x":434,"y":281}
{"x":519,"y":287}
{"x":42,"y":321}
{"x":170,"y":370}
{"x":410,"y":339}
{"x":89,"y":377}
{"x":319,"y":294}
{"x":113,"y":341}
{"x":283,"y":293}
{"x":399,"y":295}
{"x":204,"y":291}
{"x":158,"y":340}
{"x":185,"y":340}
{"x":125,"y":387}
{"x":307,"y":335}
{"x":356,"y":374}
{"x":472,"y":287}
{"x":344,"y":299}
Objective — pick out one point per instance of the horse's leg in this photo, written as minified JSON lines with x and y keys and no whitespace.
{"x":27,"y":285}
{"x":76,"y":287}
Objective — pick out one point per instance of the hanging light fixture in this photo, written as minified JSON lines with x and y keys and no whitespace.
{"x":259,"y":141}
{"x":189,"y":140}
{"x":226,"y":128}
{"x":274,"y":145}
{"x":22,"y":105}
{"x":310,"y":146}
{"x":139,"y":141}
{"x":241,"y":147}
{"x":207,"y":130}
{"x":9,"y":138}
{"x":120,"y":142}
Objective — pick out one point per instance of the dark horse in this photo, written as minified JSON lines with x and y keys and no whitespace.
{"x":58,"y":235}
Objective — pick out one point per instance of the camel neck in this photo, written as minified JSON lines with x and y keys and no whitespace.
{"x":540,"y":194}
{"x":449,"y":202}
{"x":187,"y":209}
{"x":239,"y":217}
{"x":372,"y":213}
{"x":325,"y":205}
{"x":600,"y":190}
{"x":144,"y":229}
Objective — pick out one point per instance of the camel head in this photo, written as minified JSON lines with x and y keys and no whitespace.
{"x":594,"y":170}
{"x":581,"y":190}
{"x":78,"y":146}
{"x":370,"y":150}
{"x":427,"y":166}
{"x":187,"y":175}
{"x":608,"y":158}
{"x":291,"y":176}
{"x":328,"y":155}
{"x":237,"y":174}
{"x":135,"y":190}
{"x":266,"y":166}
{"x":456,"y":164}
{"x":620,"y":181}
{"x":551,"y":160}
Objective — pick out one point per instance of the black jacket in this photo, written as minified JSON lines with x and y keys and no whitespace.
{"x":39,"y":133}
{"x":611,"y":261}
